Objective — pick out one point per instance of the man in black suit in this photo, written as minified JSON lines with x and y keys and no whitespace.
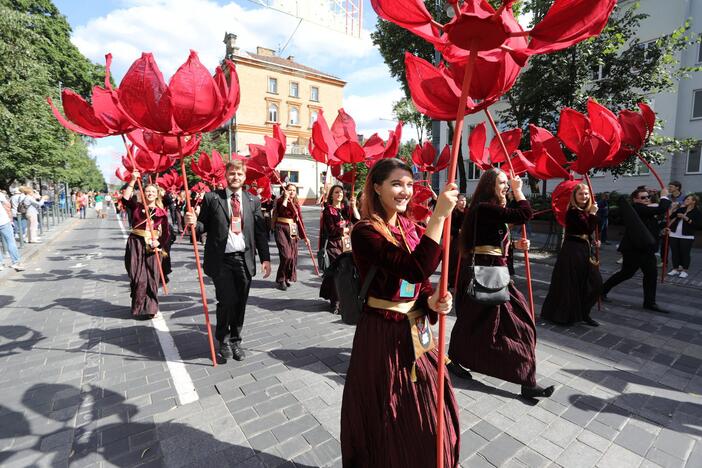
{"x":235,"y":229}
{"x":639,"y":245}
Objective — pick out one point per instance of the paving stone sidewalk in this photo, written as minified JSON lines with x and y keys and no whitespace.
{"x":85,"y":385}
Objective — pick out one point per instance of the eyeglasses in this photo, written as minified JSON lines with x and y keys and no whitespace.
{"x":644,"y":197}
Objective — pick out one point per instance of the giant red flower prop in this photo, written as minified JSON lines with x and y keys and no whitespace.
{"x":424,"y":158}
{"x":171,"y":181}
{"x":546,"y":154}
{"x":164,"y":144}
{"x":191,"y":103}
{"x":209,"y":168}
{"x":561,"y":197}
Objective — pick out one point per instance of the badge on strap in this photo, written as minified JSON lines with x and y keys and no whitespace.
{"x":236,"y":225}
{"x":407,"y":289}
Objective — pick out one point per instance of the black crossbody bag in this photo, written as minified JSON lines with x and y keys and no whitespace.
{"x":489,"y":285}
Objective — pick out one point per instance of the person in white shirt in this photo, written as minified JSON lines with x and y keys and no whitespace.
{"x":7,"y":234}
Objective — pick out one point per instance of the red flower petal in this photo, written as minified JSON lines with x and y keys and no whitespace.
{"x":195,"y":99}
{"x":344,"y":128}
{"x":512,"y":139}
{"x":561,"y":197}
{"x":80,"y":116}
{"x":350,"y":152}
{"x":144,"y":96}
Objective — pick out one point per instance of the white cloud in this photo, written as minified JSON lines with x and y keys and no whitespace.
{"x":169,"y":28}
{"x":108,"y":154}
{"x":373,"y":112}
{"x":372,"y":74}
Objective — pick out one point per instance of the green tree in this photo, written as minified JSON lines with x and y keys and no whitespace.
{"x":37,"y":53}
{"x":615,"y":68}
{"x":405,"y":111}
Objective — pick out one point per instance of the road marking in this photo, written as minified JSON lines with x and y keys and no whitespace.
{"x":181,"y":379}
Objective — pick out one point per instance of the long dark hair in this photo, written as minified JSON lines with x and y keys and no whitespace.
{"x":371,"y":206}
{"x":485,"y":192}
{"x":330,"y":195}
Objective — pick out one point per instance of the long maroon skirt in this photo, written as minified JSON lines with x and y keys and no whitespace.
{"x":575,"y":284}
{"x":499,"y":341}
{"x":328,"y":289}
{"x":143,"y":277}
{"x":287,"y":249}
{"x":386,"y":419}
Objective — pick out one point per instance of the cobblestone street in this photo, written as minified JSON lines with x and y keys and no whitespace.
{"x":85,"y":385}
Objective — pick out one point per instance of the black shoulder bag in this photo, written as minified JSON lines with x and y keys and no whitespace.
{"x":488,"y":284}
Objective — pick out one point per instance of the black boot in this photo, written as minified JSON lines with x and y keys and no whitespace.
{"x":459,"y":371}
{"x":537,"y":392}
{"x":591,"y":322}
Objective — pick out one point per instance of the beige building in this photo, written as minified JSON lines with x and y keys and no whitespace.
{"x":280,"y":90}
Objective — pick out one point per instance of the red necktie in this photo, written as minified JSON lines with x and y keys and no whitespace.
{"x":236,"y":209}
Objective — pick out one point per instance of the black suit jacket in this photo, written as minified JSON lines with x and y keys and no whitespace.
{"x":214,"y":220}
{"x":633,"y":241}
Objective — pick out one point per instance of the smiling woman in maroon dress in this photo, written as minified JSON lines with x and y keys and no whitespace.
{"x":388,"y":411}
{"x":287,"y":232}
{"x":575,"y":282}
{"x":337,"y":219}
{"x":496,"y":340}
{"x":139,"y":256}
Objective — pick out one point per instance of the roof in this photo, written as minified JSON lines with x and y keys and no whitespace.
{"x":283,"y":62}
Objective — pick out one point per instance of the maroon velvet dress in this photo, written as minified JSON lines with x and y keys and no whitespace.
{"x":141,"y":265}
{"x":498,"y":340}
{"x":386,"y":419}
{"x":456,"y":223}
{"x":287,"y":245}
{"x":333,"y":222}
{"x":575,"y":282}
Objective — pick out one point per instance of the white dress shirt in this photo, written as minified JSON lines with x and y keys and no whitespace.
{"x":235,"y":242}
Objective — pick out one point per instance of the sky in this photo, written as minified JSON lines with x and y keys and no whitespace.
{"x":170,"y":28}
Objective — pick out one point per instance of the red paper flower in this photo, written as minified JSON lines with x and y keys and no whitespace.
{"x":260,"y":187}
{"x":546,"y":154}
{"x":347,"y":177}
{"x":519,"y":164}
{"x":424,"y":156}
{"x":123,"y":175}
{"x":477,"y":151}
{"x":322,"y":143}
{"x":561,"y":197}
{"x":636,"y":129}
{"x":393,"y":144}
{"x":192,"y":102}
{"x":209,"y":168}
{"x":171,"y":181}
{"x":164,"y":144}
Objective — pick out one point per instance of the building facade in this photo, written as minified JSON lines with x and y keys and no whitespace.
{"x":280,"y":90}
{"x":680,"y":110}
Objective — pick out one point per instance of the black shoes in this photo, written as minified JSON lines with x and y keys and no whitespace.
{"x":282,"y":286}
{"x":225,"y":350}
{"x":654,"y":308}
{"x":591,"y":322}
{"x":459,"y":371}
{"x":537,"y":392}
{"x":238,"y":353}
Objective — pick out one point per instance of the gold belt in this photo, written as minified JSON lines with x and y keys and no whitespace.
{"x":488,"y":250}
{"x":142,"y":233}
{"x":399,"y":307}
{"x":584,"y":237}
{"x":285,"y":221}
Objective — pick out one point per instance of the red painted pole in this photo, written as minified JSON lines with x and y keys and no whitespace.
{"x":597,"y":238}
{"x":149,"y":222}
{"x":193,"y":239}
{"x":446,"y":241}
{"x":527,"y":264}
{"x":666,"y":239}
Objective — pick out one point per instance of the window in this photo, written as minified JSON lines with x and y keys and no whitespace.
{"x":273,"y":85}
{"x":697,"y":104}
{"x":694,"y":162}
{"x":699,"y":52}
{"x":272,"y":112}
{"x":293,"y":176}
{"x":314,"y":94}
{"x":473,"y":171}
{"x":294,"y":89}
{"x":598,"y":72}
{"x":313,"y":117}
{"x":294,"y":116}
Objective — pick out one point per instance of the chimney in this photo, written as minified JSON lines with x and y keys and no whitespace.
{"x":291,"y":58}
{"x":230,"y":44}
{"x":265,"y":51}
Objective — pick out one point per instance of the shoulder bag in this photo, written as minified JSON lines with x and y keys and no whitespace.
{"x":488,"y":284}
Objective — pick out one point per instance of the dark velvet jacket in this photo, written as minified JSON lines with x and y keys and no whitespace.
{"x":648,"y":215}
{"x":689,"y":227}
{"x":579,"y":222}
{"x":395,"y":263}
{"x":159,"y":217}
{"x":335,"y":220}
{"x":492,"y":222}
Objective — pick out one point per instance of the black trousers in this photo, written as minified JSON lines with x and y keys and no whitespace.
{"x":232,"y":290}
{"x":632,"y":262}
{"x":680,"y":251}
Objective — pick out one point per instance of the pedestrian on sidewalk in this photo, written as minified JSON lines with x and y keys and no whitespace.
{"x":497,"y":340}
{"x":576,"y":282}
{"x":100,"y":205}
{"x":32,"y":202}
{"x":639,"y":244}
{"x":389,"y":406}
{"x":235,"y":231}
{"x":337,"y":218}
{"x":288,"y":230}
{"x":81,"y":204}
{"x":683,"y":223}
{"x":19,"y":212}
{"x":7,"y":235}
{"x":143,"y":251}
